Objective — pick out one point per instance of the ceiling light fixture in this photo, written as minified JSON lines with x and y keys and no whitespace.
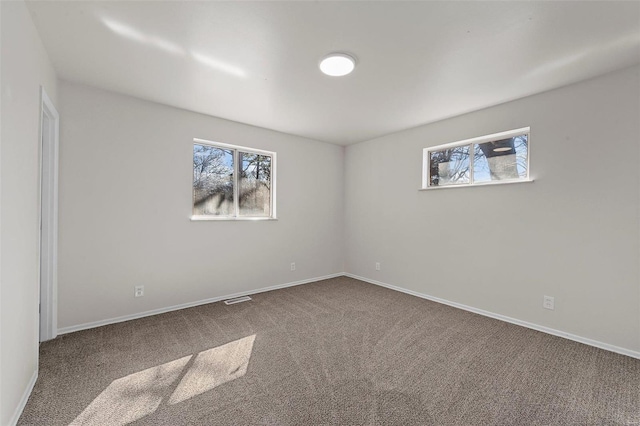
{"x":502,"y":149}
{"x":337,"y":64}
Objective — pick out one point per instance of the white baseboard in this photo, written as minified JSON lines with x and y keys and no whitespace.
{"x":543,"y":329}
{"x":23,"y":400}
{"x":580,"y":339}
{"x":100,"y":323}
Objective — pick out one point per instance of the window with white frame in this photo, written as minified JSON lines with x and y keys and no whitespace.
{"x":232,"y":182}
{"x":498,"y":158}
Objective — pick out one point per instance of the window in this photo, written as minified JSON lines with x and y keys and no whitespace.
{"x":232,"y":182}
{"x":498,"y":158}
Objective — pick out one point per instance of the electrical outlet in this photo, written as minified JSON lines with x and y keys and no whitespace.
{"x":293,"y":266}
{"x":548,"y":303}
{"x":377,"y":266}
{"x":138,"y":291}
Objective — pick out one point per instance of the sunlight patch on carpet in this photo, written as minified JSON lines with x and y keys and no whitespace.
{"x":213,"y":368}
{"x":132,"y":397}
{"x":137,"y":395}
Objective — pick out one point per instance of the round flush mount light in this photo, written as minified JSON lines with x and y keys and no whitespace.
{"x":337,"y":64}
{"x":502,"y":149}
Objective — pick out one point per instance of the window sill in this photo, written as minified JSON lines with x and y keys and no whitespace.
{"x":231,"y":219}
{"x":469,"y":185}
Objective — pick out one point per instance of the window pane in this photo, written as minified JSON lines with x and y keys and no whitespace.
{"x":449,"y":166}
{"x":212,"y":181}
{"x":255,"y":185}
{"x":504,"y":159}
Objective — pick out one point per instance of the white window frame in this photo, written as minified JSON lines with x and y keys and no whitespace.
{"x":236,"y":173}
{"x":426,"y":157}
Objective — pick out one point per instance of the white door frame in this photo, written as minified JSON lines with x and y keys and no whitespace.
{"x":49,"y":128}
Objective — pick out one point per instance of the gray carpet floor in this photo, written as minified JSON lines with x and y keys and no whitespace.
{"x":334,"y":352}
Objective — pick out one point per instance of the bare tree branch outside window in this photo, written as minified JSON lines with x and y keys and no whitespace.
{"x":215,"y":183}
{"x":502,"y":159}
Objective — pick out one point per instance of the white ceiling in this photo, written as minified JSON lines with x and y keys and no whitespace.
{"x":257,"y":62}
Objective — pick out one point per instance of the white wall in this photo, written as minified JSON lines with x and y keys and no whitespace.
{"x":125,"y":203}
{"x":572,"y":234}
{"x":25,"y":66}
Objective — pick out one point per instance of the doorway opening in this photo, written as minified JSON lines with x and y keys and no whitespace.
{"x":50,"y":123}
